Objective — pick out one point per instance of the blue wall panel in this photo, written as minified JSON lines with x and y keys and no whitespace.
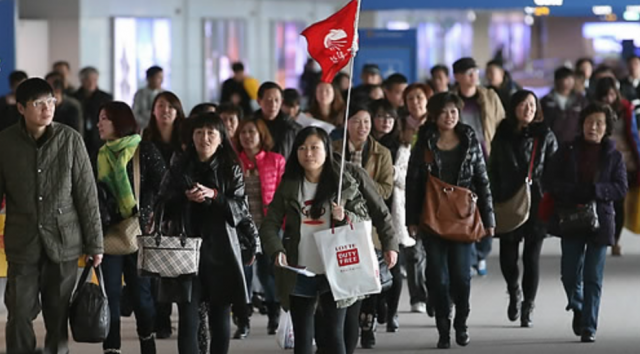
{"x":7,"y":42}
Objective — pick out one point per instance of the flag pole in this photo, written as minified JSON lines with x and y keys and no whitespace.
{"x":346,"y":111}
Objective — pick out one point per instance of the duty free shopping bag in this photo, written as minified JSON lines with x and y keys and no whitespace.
{"x":350,"y":260}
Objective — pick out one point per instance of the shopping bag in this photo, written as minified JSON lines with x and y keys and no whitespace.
{"x":284,"y":336}
{"x":350,"y":260}
{"x":89,"y":315}
{"x":632,"y":210}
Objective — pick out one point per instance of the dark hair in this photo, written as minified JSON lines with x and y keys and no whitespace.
{"x":395,"y":79}
{"x":437,"y":102}
{"x":581,"y":61}
{"x":57,"y":84}
{"x":387,"y":108}
{"x":62,"y":63}
{"x":230,"y":108}
{"x":597,"y":107}
{"x":632,"y":57}
{"x":153,"y":71}
{"x":291,"y":97}
{"x":428,"y":91}
{"x":53,"y":74}
{"x":16,"y":77}
{"x":497,"y":63}
{"x":152,"y":133}
{"x":269,"y":85}
{"x":88,"y":70}
{"x":202,"y":108}
{"x":328,"y":185}
{"x":562,"y":73}
{"x":213,"y":121}
{"x":439,"y":67}
{"x":519,"y":97}
{"x":357,"y":106}
{"x":603,"y":86}
{"x":601,"y":69}
{"x":336,"y":115}
{"x":340,"y":76}
{"x":237,"y":66}
{"x":266,"y":141}
{"x":121,"y":115}
{"x":32,"y":89}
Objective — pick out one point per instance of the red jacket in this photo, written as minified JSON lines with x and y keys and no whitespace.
{"x":270,"y":169}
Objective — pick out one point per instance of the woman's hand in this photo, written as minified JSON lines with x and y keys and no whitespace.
{"x":251,"y":261}
{"x":281,"y":260}
{"x":413,"y":230}
{"x":391,"y":257}
{"x":337,"y":212}
{"x":491,"y":231}
{"x":199,"y":193}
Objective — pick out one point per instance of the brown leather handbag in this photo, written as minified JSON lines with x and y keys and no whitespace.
{"x":449,"y":211}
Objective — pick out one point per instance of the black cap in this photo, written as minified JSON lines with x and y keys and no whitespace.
{"x":373,"y":69}
{"x":464,"y":64}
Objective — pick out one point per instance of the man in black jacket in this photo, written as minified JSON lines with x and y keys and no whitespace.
{"x":91,"y":98}
{"x":283,"y":129}
{"x":630,"y":86}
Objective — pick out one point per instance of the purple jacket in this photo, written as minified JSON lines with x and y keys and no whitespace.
{"x":561,"y":180}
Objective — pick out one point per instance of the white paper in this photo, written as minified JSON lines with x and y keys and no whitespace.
{"x":302,"y":271}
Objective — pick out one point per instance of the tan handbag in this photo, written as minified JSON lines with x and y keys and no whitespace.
{"x":121,"y":238}
{"x":514,"y":212}
{"x":450,"y":211}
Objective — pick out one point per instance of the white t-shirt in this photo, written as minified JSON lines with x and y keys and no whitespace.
{"x":308,"y":254}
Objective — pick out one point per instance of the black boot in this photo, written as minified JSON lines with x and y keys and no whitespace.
{"x":513,"y":311}
{"x":148,"y":345}
{"x":368,"y":327}
{"x":577,"y":322}
{"x":462,"y":331}
{"x":431,"y":311}
{"x":527,"y":311}
{"x":444,"y":330}
{"x":273,"y":309}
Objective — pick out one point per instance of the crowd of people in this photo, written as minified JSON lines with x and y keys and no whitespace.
{"x":256,"y":179}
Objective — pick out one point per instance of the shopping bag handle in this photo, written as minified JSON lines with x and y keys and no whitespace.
{"x":87,"y":271}
{"x":333,"y":224}
{"x":157,"y":232}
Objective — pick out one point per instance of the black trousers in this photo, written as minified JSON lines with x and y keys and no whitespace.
{"x":509,"y":255}
{"x":26,"y":285}
{"x":618,"y":206}
{"x":416,"y":265}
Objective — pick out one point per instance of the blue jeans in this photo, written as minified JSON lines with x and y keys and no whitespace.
{"x":449,"y":275}
{"x":481,"y":250}
{"x":114,"y":268}
{"x":265,"y":273}
{"x":582,"y":275}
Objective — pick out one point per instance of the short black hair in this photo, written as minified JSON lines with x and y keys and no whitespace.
{"x":237,"y":66}
{"x":358,"y":106}
{"x":53,"y":74}
{"x":32,"y":89}
{"x":153,"y":71}
{"x":87,"y":71}
{"x":384,"y":106}
{"x":562,"y":73}
{"x":395,"y":79}
{"x":291,"y":97}
{"x":203,"y":107}
{"x":269,"y":85}
{"x":16,"y":77}
{"x":439,"y":67}
{"x":437,"y":103}
{"x":62,"y":63}
{"x":497,"y":63}
{"x":581,"y":61}
{"x":231,"y":108}
{"x":598,"y":107}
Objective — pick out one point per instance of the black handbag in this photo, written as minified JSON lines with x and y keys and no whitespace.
{"x":89,"y":315}
{"x":386,"y":278}
{"x":580,"y":219}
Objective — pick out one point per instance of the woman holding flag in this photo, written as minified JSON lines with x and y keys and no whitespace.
{"x":306,"y":202}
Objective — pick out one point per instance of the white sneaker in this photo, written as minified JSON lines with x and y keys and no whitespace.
{"x":419,"y":307}
{"x":482,"y":268}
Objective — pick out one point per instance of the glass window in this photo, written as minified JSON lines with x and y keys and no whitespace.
{"x":290,"y":52}
{"x":224,"y":44}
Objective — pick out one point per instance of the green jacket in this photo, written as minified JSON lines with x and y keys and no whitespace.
{"x":52,"y":203}
{"x":361,"y":202}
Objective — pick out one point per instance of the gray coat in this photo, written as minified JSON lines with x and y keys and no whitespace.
{"x":51,"y":195}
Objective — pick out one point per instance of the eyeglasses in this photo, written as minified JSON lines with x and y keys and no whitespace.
{"x":41,"y":103}
{"x":472,"y":71}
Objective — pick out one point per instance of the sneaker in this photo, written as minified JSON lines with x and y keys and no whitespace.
{"x":419,"y":307}
{"x":482,"y":267}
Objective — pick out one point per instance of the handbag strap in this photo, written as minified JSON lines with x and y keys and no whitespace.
{"x":136,"y":176}
{"x":85,"y":276}
{"x":533,"y":158}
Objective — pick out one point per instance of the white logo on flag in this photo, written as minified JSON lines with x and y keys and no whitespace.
{"x":336,"y":41}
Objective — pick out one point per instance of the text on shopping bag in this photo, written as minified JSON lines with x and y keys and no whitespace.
{"x":347,"y":255}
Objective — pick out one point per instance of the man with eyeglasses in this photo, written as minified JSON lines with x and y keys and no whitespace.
{"x":52,"y":218}
{"x":483,"y":111}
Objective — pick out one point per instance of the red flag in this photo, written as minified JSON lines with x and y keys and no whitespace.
{"x":330,"y":41}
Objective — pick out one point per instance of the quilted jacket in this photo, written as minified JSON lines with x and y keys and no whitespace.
{"x":472,"y":175}
{"x":52,"y":203}
{"x":270,"y":168}
{"x":491,"y":111}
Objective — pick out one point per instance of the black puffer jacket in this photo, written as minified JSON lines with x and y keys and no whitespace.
{"x":511,"y":157}
{"x":472,"y":175}
{"x":283,"y":129}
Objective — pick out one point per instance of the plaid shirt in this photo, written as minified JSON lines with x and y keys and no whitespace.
{"x":356,"y":155}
